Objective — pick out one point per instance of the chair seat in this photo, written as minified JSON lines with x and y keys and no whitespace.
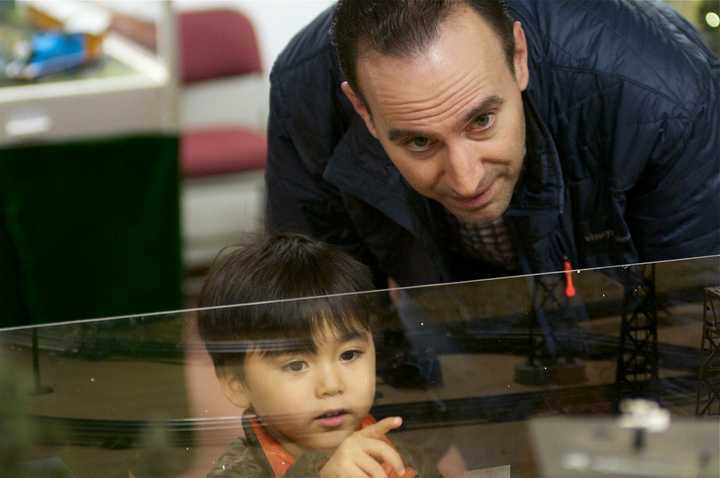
{"x":222,"y":150}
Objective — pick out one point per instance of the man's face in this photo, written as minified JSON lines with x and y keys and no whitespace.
{"x":313,"y":400}
{"x":451,"y":119}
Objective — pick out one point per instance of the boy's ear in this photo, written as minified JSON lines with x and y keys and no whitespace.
{"x":233,"y":386}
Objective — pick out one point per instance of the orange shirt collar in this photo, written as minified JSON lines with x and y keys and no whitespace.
{"x":281,"y":461}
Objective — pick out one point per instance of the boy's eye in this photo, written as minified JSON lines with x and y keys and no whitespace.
{"x":350,"y":355}
{"x":484,"y":121}
{"x":418,"y":144}
{"x":296,"y":366}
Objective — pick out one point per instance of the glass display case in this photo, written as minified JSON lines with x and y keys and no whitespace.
{"x":525,"y":376}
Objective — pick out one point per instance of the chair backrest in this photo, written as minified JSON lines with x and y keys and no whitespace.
{"x":216,"y":43}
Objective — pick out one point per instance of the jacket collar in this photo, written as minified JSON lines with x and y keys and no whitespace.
{"x":359,"y":166}
{"x":541,"y":188}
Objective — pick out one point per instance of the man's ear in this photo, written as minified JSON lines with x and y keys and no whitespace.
{"x":359,"y":106}
{"x":233,"y":386}
{"x":520,"y":58}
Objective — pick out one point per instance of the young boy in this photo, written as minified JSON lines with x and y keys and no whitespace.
{"x":304,"y":370}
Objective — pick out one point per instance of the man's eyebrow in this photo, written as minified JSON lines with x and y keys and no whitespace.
{"x":494,"y":101}
{"x":396,"y":134}
{"x":481,"y":108}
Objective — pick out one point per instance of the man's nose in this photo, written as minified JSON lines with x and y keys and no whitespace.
{"x":330,"y":381}
{"x":464,"y":169}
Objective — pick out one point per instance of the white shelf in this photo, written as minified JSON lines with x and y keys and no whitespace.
{"x":141,"y":100}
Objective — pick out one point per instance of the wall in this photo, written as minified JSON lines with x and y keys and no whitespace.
{"x":276,"y":21}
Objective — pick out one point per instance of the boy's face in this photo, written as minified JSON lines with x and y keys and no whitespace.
{"x":313,"y":400}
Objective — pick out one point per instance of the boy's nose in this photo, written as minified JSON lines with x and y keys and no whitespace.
{"x":329,"y":382}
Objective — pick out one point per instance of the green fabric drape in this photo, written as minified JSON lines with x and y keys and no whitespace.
{"x":89,"y":229}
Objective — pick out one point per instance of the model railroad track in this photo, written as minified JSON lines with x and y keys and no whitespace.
{"x":594,"y":346}
{"x":498,"y":334}
{"x":674,"y":392}
{"x":470,"y":341}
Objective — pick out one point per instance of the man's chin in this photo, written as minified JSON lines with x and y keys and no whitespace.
{"x":491,"y":212}
{"x":476,"y":218}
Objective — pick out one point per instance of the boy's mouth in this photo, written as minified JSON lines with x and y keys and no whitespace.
{"x":332,"y":418}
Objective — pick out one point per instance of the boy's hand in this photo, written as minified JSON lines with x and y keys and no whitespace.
{"x":362,"y":453}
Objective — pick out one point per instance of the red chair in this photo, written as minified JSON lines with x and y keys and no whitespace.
{"x":217,"y":44}
{"x":223,"y":114}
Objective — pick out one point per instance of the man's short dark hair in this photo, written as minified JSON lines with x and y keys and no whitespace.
{"x":405,"y":27}
{"x":265,"y":274}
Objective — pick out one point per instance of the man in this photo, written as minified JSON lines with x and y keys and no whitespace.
{"x":449,"y":140}
{"x":452,"y":140}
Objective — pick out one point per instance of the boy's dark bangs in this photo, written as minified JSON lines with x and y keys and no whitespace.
{"x":294,"y":326}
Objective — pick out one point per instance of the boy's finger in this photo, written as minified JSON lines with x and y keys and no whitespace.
{"x":371,"y":467}
{"x":384,"y":453}
{"x":379,"y":429}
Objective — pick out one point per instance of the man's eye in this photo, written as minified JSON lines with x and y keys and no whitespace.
{"x":350,"y":355}
{"x":418,"y":144}
{"x":297,"y":366}
{"x":484,"y":121}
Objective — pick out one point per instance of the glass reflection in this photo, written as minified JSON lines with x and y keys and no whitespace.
{"x":481,"y":364}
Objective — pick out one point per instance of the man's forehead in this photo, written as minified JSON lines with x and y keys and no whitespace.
{"x":397,"y":131}
{"x":436,"y":99}
{"x":453,"y":64}
{"x":463,"y":19}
